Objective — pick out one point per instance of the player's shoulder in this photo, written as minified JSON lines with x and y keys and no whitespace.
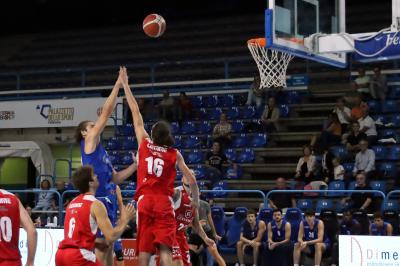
{"x":5,"y":192}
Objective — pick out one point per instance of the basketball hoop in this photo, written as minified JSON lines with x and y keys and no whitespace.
{"x":272,"y":64}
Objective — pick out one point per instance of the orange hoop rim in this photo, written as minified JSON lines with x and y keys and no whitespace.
{"x":257,"y":41}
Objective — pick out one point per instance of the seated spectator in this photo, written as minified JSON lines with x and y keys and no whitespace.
{"x":270,"y":116}
{"x":249,"y":240}
{"x":327,"y":165}
{"x":361,"y":84}
{"x":215,"y":159}
{"x":361,"y":200}
{"x":311,"y":239}
{"x":365,"y":160}
{"x":379,"y":85}
{"x":281,"y":200}
{"x":338,"y":169}
{"x":34,"y":217}
{"x":330,"y":136}
{"x":45,"y":197}
{"x":278,"y":248}
{"x":255,"y":94}
{"x":60,"y":186}
{"x":352,"y":141}
{"x":367,"y":126}
{"x":222,"y":132}
{"x":306,"y":166}
{"x":344,"y":114}
{"x":166,"y":108}
{"x":349,"y":226}
{"x":185,"y":107}
{"x":380,"y":227}
{"x":359,"y":108}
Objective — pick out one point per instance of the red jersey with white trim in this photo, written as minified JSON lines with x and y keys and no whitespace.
{"x":156,"y":171}
{"x":184,"y":212}
{"x":9,"y":226}
{"x":80,"y":227}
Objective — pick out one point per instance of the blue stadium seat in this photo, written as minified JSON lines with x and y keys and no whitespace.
{"x":226,"y":100}
{"x":194,"y":157}
{"x":231,"y":154}
{"x":336,"y":185}
{"x":293,"y":97}
{"x":352,"y":185}
{"x":246,"y":156}
{"x":374,"y":107}
{"x":200,"y":171}
{"x":175,"y":128}
{"x":191,"y":142}
{"x":341,"y":207}
{"x":129,"y":143}
{"x":222,"y":185}
{"x":114,"y":157}
{"x":237,"y":126}
{"x":394,"y":93}
{"x":348,"y":167}
{"x":197,"y":101}
{"x":388,"y":169}
{"x":390,"y":106}
{"x":129,"y":186}
{"x":218,"y":216}
{"x":380,"y":152}
{"x":324,"y":204}
{"x":284,"y":110}
{"x":234,"y":173}
{"x":203,"y":114}
{"x":178,"y":141}
{"x":210,"y":101}
{"x":395,"y":119}
{"x":383,"y":118}
{"x":125,"y":130}
{"x":113,"y":144}
{"x":259,"y":140}
{"x":294,"y":217}
{"x":127,"y":159}
{"x":339,"y":151}
{"x":233,"y":113}
{"x":392,"y":205}
{"x":204,"y":127}
{"x":240,"y":141}
{"x":265,"y":215}
{"x":215,"y":114}
{"x":388,"y":133}
{"x":188,"y":128}
{"x":248,"y":112}
{"x":378,"y":185}
{"x":394,"y":153}
{"x":304,"y":204}
{"x":179,"y":175}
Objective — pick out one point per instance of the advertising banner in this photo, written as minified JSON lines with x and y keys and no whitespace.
{"x":53,"y":113}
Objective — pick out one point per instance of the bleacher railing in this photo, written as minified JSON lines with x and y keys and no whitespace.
{"x":391,"y":193}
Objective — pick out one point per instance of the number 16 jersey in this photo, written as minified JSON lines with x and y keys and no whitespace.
{"x":156,"y":171}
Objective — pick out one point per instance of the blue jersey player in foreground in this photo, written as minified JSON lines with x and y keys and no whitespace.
{"x":93,"y":154}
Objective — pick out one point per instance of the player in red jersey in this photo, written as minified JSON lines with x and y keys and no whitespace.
{"x":156,"y":173}
{"x":83,"y":215}
{"x":12,"y":215}
{"x":185,"y":215}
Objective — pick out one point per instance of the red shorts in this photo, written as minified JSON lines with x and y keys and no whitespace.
{"x":76,"y":257}
{"x":11,"y":263}
{"x":155,"y":223}
{"x":180,"y":250}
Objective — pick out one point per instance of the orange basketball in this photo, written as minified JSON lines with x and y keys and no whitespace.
{"x":154,"y":25}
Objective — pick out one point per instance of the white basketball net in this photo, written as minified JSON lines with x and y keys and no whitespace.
{"x":272,"y":65}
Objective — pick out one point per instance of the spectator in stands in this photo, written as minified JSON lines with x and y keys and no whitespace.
{"x":249,"y":241}
{"x":45,"y":197}
{"x":279,"y":248}
{"x":359,"y":108}
{"x":379,"y":85}
{"x":60,"y":186}
{"x":166,"y":108}
{"x":144,"y":110}
{"x":361,"y":84}
{"x":222,"y":132}
{"x":281,"y":200}
{"x":34,"y":217}
{"x":367,"y":125}
{"x":349,"y":226}
{"x":270,"y":116}
{"x":306,"y":166}
{"x":338,"y":169}
{"x":330,"y":136}
{"x":327,"y":165}
{"x":360,"y":200}
{"x":344,"y":114}
{"x":365,"y":160}
{"x":380,"y":227}
{"x":215,"y":159}
{"x":352,"y":141}
{"x":311,"y":239}
{"x":255,"y":94}
{"x":185,"y":107}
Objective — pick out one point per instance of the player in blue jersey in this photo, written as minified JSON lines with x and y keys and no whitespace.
{"x":311,"y":239}
{"x":93,"y":154}
{"x":380,"y":227}
{"x":278,"y":251}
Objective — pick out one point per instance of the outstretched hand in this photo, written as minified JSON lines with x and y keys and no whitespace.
{"x":124,"y":76}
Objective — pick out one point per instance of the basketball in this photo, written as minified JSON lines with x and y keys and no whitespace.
{"x":154,"y":25}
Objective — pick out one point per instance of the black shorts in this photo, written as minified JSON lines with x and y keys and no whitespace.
{"x":196,"y":240}
{"x":119,"y":255}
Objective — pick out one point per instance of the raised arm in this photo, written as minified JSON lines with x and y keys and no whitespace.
{"x":111,"y":234}
{"x":191,"y":179}
{"x":119,"y":177}
{"x":197,"y":228}
{"x":30,"y":229}
{"x":133,"y":106}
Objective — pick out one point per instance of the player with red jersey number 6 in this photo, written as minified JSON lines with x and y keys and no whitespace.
{"x":12,"y":215}
{"x":156,"y":173}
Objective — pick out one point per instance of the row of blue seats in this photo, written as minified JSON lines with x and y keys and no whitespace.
{"x":388,"y":106}
{"x":393,"y":120}
{"x":391,"y":153}
{"x":245,"y":156}
{"x":387,"y":169}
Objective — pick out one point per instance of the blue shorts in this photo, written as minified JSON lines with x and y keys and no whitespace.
{"x":327,"y":246}
{"x":118,"y":245}
{"x":111,"y":203}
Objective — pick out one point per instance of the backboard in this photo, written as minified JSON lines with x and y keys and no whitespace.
{"x":289,"y":22}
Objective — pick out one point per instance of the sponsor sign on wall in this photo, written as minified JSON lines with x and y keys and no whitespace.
{"x":52,"y":113}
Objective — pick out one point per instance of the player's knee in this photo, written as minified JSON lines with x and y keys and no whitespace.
{"x":239,"y":244}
